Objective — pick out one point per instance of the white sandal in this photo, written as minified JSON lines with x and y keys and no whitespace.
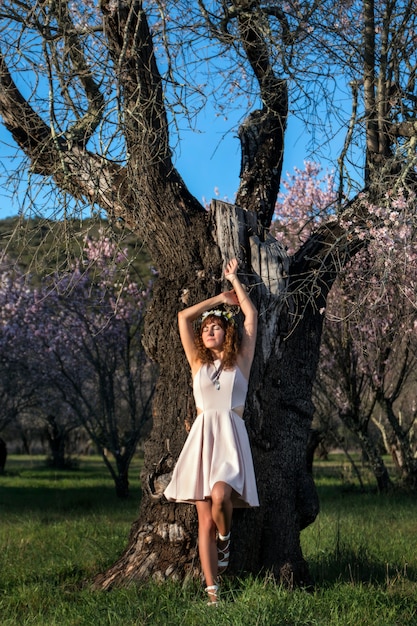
{"x":212,"y":592}
{"x":223,"y":553}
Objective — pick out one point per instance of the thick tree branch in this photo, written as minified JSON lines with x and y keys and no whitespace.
{"x":158,"y":183}
{"x":74,"y":169}
{"x":28,"y":129}
{"x":132,"y":50}
{"x":262,"y":134}
{"x":317,"y":263}
{"x":372,"y":145}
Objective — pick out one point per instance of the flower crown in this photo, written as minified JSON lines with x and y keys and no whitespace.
{"x":228,"y":316}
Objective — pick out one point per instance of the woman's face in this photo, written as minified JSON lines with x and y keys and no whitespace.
{"x":212,"y":334}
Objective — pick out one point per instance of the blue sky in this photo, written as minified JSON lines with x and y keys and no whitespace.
{"x":208,"y":161}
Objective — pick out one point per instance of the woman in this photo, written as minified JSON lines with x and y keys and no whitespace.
{"x":215,"y":468}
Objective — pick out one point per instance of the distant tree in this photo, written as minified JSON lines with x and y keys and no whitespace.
{"x":86,"y":326}
{"x":377,"y":315}
{"x":72,"y":355}
{"x":342,"y":391}
{"x":368,"y":350}
{"x":18,"y":390}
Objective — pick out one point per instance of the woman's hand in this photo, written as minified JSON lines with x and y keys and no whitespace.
{"x":230,"y":271}
{"x":230,"y":298}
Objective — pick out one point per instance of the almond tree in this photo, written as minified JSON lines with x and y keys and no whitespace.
{"x":369,"y":347}
{"x":368,"y":351}
{"x":343,"y":391}
{"x":121,"y":78}
{"x":86,"y":326}
{"x":71,"y":355}
{"x":383,"y":278}
{"x":18,"y":390}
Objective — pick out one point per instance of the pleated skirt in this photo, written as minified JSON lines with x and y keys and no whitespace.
{"x":217,"y":449}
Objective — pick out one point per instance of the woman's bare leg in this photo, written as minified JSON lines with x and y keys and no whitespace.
{"x":222,"y":511}
{"x":222,"y":507}
{"x":207,"y":546}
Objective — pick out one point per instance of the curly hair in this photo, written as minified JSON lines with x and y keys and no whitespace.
{"x":230,"y":347}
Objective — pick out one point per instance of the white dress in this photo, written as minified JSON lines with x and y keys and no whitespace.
{"x":217,"y":447}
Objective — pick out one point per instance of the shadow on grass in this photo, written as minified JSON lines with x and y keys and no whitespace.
{"x":47,"y":500}
{"x":28,"y":485}
{"x":52,"y":499}
{"x":350,"y":567}
{"x":352,"y":499}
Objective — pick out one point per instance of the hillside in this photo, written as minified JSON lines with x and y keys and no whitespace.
{"x":42,"y":246}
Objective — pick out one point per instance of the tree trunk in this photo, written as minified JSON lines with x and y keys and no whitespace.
{"x":57,"y":441}
{"x":122,"y":485}
{"x":402,"y":443}
{"x":3,"y":455}
{"x":376,"y":461}
{"x":359,"y":427}
{"x":163,"y":542}
{"x":316,"y":437}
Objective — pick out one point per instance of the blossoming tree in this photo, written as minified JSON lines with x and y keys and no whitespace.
{"x":366,"y":373}
{"x":75,"y":342}
{"x":372,"y":322}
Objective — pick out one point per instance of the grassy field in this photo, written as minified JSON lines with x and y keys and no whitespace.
{"x":59,"y":529}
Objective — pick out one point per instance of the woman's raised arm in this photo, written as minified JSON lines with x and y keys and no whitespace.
{"x":250,"y":325}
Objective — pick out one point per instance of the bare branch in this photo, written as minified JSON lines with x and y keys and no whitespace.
{"x":262,"y":134}
{"x":28,"y":129}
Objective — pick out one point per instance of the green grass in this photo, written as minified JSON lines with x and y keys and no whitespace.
{"x":57,"y":529}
